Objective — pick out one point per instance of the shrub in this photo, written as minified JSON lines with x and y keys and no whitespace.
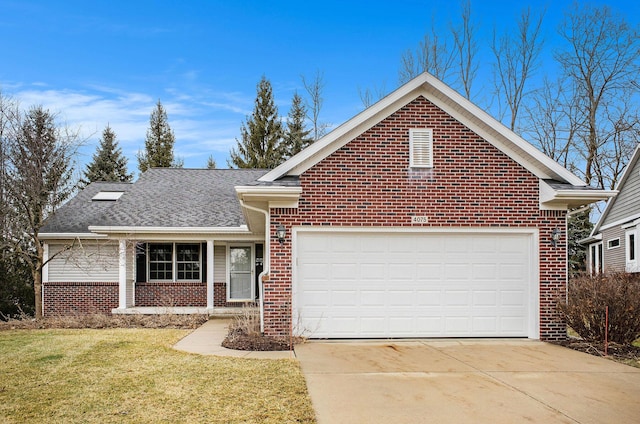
{"x":588,"y":297}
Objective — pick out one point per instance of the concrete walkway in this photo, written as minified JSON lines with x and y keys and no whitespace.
{"x":466,"y":381}
{"x":207,"y":340}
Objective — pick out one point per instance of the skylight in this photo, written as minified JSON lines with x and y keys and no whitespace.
{"x":107,"y":196}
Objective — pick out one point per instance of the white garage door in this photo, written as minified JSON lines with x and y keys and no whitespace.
{"x":372,"y":284}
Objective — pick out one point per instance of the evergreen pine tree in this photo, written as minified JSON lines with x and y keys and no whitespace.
{"x":108,"y":163}
{"x":261,"y":135}
{"x":211,"y":162}
{"x":159,"y":143}
{"x":296,"y":137}
{"x":578,"y":227}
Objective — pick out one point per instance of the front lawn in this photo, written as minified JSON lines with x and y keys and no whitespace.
{"x":133,"y":375}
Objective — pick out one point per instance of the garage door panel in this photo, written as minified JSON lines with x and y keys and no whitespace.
{"x":413,"y":285}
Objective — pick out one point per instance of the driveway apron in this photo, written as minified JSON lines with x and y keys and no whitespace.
{"x":466,"y":381}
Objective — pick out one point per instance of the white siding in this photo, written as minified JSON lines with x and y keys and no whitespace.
{"x":89,"y":262}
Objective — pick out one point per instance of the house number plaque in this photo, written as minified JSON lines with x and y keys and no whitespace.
{"x":419,"y":219}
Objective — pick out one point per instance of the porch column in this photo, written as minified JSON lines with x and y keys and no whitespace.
{"x":122,"y":274}
{"x":210,"y":274}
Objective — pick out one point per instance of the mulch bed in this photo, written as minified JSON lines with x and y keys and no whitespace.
{"x":627,"y":354}
{"x":239,"y":340}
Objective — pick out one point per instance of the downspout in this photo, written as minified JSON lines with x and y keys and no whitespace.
{"x":267,"y":256}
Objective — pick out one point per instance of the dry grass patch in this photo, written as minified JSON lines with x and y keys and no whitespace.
{"x":133,"y":375}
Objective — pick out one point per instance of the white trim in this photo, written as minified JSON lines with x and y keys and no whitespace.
{"x":621,"y":222}
{"x":534,"y":288}
{"x":252,"y":273}
{"x":452,"y":103}
{"x":45,"y":259}
{"x":609,"y":247}
{"x":122,"y":274}
{"x":169,"y":230}
{"x":631,"y":265}
{"x":623,"y":178}
{"x":421,"y":142}
{"x":65,"y":236}
{"x":596,"y":262}
{"x":210,"y":273}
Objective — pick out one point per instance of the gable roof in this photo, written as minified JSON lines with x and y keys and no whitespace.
{"x":164,"y":199}
{"x":77,"y":214}
{"x":450,"y":101}
{"x":634,"y":163}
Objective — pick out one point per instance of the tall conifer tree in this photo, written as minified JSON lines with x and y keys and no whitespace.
{"x":261,"y":135}
{"x":296,"y":136}
{"x":108,"y":163}
{"x":159,"y":143}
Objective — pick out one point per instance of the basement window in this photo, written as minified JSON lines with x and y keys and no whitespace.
{"x":421,"y":148}
{"x":108,"y":196}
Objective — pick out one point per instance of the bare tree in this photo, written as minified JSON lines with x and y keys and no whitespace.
{"x":516,"y":55}
{"x":466,"y":48}
{"x":601,"y":62}
{"x":432,"y":55}
{"x":39,"y":171}
{"x":314,"y":90}
{"x":369,"y":97}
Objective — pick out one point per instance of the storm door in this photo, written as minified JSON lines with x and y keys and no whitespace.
{"x":240,"y":274}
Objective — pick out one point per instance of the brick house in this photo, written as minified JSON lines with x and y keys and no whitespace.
{"x":422,"y":216}
{"x":613,"y":244}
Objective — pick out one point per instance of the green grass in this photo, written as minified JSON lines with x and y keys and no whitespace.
{"x":133,"y":375}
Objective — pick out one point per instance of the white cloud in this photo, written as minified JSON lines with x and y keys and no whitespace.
{"x":204,"y":123}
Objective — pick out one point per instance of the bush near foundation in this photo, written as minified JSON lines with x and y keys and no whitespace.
{"x":588,"y":297}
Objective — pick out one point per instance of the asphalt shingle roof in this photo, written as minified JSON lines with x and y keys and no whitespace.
{"x":77,"y":214}
{"x":162,"y":197}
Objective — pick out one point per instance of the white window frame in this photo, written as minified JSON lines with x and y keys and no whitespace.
{"x":199,"y":261}
{"x":631,"y":247}
{"x":173,"y":250}
{"x":252,"y":272}
{"x":421,"y":148}
{"x":609,"y":247}
{"x":174,"y":262}
{"x":596,"y":265}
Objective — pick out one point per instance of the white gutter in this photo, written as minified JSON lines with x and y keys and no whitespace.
{"x":64,"y":236}
{"x":169,"y":230}
{"x":267,"y":255}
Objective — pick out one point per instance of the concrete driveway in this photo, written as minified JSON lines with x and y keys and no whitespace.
{"x":466,"y":381}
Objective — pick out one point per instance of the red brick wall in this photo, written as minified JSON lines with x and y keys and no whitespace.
{"x":79,"y":298}
{"x":368,"y":182}
{"x":171,"y":294}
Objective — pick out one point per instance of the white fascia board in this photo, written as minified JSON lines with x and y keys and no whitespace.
{"x":623,"y":179}
{"x":324,"y":146}
{"x":551,"y":199}
{"x":591,"y":239}
{"x":451,"y":102}
{"x":276,"y":196}
{"x":628,"y":219}
{"x":66,"y":236}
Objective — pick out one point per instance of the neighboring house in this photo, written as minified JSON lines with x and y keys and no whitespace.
{"x":422,"y":216}
{"x":613,"y":244}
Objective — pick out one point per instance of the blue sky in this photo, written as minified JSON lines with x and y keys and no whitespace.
{"x":108,"y":62}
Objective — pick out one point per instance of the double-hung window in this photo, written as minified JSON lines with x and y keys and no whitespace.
{"x":174,"y":261}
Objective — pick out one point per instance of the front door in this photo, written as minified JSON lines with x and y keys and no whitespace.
{"x":240,"y":286}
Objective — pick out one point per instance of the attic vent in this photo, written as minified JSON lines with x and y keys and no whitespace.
{"x":421,"y":148}
{"x":107,"y":196}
